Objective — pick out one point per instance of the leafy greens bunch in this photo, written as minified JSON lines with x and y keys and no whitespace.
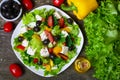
{"x":103,"y":33}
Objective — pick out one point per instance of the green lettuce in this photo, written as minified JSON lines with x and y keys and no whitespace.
{"x":103,"y":50}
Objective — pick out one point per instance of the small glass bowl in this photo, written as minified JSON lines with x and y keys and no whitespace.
{"x":18,"y":16}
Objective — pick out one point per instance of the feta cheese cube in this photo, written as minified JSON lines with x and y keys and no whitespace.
{"x":25,"y":43}
{"x":57,"y":15}
{"x":44,"y":52}
{"x":32,"y":24}
{"x":31,"y":51}
{"x":64,"y":33}
{"x":43,"y":36}
{"x":64,"y":49}
{"x":38,"y":18}
{"x":23,"y":29}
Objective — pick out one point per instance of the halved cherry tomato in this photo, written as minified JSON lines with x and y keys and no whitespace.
{"x":61,"y":22}
{"x":16,"y":70}
{"x":21,"y":47}
{"x":27,"y":4}
{"x":57,"y":3}
{"x":8,"y":26}
{"x":50,"y":21}
{"x":49,"y":35}
{"x":82,"y":65}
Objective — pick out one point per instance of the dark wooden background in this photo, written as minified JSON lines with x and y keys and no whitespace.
{"x":8,"y":57}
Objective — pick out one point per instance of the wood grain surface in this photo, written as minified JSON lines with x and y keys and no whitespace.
{"x":8,"y":57}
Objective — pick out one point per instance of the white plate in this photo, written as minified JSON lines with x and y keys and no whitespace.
{"x":40,"y":72}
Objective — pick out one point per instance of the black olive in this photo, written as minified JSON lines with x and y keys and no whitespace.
{"x":38,"y":23}
{"x":71,"y":47}
{"x":52,"y":56}
{"x":12,"y":16}
{"x":69,"y":20}
{"x":16,"y":6}
{"x":36,"y":29}
{"x":20,"y":38}
{"x":46,"y":41}
{"x":40,"y":62}
{"x":16,"y":12}
{"x":6,"y":14}
{"x":5,"y":6}
{"x":56,"y":38}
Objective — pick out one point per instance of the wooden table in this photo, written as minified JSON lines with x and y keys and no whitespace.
{"x":8,"y":57}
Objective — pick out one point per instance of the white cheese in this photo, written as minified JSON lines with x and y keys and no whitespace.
{"x":25,"y":43}
{"x":54,"y":67}
{"x":23,"y":29}
{"x":32,"y":24}
{"x":44,"y":52}
{"x":31,"y":51}
{"x":64,"y":33}
{"x":38,"y":18}
{"x":64,"y":49}
{"x":43,"y":36}
{"x":57,"y":15}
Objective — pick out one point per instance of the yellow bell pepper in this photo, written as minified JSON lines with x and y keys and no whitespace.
{"x":81,"y":8}
{"x":57,"y":50}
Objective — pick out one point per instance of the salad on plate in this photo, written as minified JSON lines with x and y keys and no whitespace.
{"x":47,"y":41}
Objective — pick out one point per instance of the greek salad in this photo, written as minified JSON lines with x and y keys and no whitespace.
{"x":47,"y":40}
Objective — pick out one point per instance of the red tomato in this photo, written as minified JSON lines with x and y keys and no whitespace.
{"x":57,"y":2}
{"x":61,"y":22}
{"x":49,"y":35}
{"x":21,"y":47}
{"x":8,"y":26}
{"x":27,"y":4}
{"x":50,"y":21}
{"x":16,"y":70}
{"x":35,"y":60}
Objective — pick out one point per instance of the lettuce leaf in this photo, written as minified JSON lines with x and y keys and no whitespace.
{"x":102,"y":29}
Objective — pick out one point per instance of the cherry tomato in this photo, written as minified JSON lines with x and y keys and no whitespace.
{"x":35,"y":60}
{"x":16,"y":70}
{"x":57,"y":3}
{"x":8,"y":26}
{"x":49,"y":35}
{"x":61,"y":22}
{"x":27,"y":4}
{"x":21,"y":47}
{"x":50,"y":21}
